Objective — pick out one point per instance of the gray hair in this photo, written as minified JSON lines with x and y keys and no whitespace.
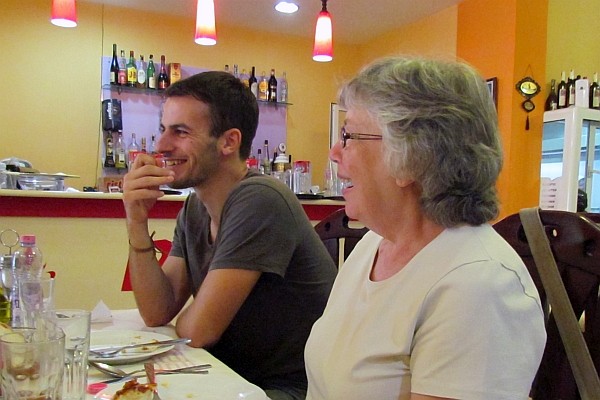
{"x":440,"y":129}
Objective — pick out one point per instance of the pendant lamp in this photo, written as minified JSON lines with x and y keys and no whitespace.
{"x":206,"y":33}
{"x":323,"y":50}
{"x":64,"y":13}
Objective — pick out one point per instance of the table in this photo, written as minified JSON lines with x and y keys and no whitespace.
{"x":217,"y":384}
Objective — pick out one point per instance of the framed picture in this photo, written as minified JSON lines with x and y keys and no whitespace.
{"x":493,"y":88}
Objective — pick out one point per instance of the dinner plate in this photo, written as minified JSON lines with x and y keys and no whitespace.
{"x":108,"y":338}
{"x":212,"y":386}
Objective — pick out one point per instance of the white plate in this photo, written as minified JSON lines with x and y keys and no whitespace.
{"x":213,"y":386}
{"x":108,"y":338}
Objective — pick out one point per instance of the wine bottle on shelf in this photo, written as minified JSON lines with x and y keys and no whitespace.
{"x":120,"y":157}
{"x":122,"y":69}
{"x":131,"y":70}
{"x":283,"y":88}
{"x":562,"y":91}
{"x":571,"y":89}
{"x":552,"y":99}
{"x":163,"y":78}
{"x":595,"y":93}
{"x":109,"y":159}
{"x":133,"y":150}
{"x":151,"y":73}
{"x":263,"y":87}
{"x":272,"y":91}
{"x":114,"y":67}
{"x":253,"y":83}
{"x":141,"y":73}
{"x":266,"y":160}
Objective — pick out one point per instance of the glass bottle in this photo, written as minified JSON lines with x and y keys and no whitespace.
{"x":272,"y":91}
{"x":562,"y":91}
{"x":114,"y":67}
{"x":261,"y":167}
{"x":253,"y":83}
{"x":595,"y":93}
{"x":144,"y":150}
{"x":236,"y":71}
{"x":121,"y":160}
{"x":133,"y":150}
{"x":122,"y":69}
{"x":141,"y":73}
{"x":131,"y":70}
{"x":151,"y":73}
{"x":283,"y":88}
{"x":552,"y":99}
{"x":152,"y":148}
{"x":244,"y":78}
{"x":109,"y":159}
{"x":263,"y":87}
{"x":266,"y":159}
{"x":163,"y":78}
{"x":27,"y":264}
{"x":571,"y":89}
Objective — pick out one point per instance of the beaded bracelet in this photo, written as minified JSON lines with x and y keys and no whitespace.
{"x":146,"y":249}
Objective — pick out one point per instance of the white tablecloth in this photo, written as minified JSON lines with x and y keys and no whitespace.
{"x":217,"y":384}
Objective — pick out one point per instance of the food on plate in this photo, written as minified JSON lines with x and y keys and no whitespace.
{"x":133,"y":390}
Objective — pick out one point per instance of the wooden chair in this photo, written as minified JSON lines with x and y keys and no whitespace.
{"x":575,"y":243}
{"x":337,"y":235}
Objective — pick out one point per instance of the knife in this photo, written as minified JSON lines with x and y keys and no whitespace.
{"x":118,"y":349}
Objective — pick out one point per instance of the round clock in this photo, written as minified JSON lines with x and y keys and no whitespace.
{"x":528,"y":87}
{"x":528,"y":105}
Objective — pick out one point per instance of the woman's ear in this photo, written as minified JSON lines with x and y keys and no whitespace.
{"x":404,"y":182}
{"x":230,"y":141}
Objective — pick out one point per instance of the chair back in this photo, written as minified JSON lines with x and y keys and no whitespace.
{"x":337,"y":236}
{"x":575,"y":243}
{"x":163,"y":247}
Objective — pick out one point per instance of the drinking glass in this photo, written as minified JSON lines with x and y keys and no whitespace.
{"x":32,"y":363}
{"x":36,"y":295}
{"x":76,"y":326}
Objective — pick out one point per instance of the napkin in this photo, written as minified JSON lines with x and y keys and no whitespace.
{"x":101,"y":313}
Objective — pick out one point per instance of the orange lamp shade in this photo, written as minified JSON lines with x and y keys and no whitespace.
{"x":323,"y":49}
{"x":64,"y":13}
{"x":206,"y":33}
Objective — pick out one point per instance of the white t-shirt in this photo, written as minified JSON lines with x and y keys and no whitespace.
{"x":461,"y":320}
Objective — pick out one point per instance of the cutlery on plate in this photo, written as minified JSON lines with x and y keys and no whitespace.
{"x":149,"y":367}
{"x":112,"y":351}
{"x":119,"y":374}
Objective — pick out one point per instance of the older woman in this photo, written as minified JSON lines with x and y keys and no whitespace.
{"x":432,"y":303}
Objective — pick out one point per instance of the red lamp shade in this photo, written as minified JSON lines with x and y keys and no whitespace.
{"x":206,"y":33}
{"x":323,"y":50}
{"x":64,"y":13}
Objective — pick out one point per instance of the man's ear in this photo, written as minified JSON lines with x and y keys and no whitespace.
{"x":230,"y":141}
{"x":404,"y":182}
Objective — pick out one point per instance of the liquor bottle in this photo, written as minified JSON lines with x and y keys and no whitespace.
{"x":131,"y":70}
{"x":122,"y":69}
{"x":266,"y":160}
{"x":552,"y":99}
{"x":571,"y":89}
{"x":151,"y":73}
{"x":272,"y":91}
{"x":244,"y":78}
{"x":141,"y":73}
{"x":261,"y":167}
{"x":562,"y":91}
{"x":152,"y":148}
{"x":283,"y":88}
{"x":114,"y":67}
{"x":121,"y":159}
{"x":144,"y":150}
{"x":251,"y":161}
{"x":253,"y":83}
{"x":226,"y":69}
{"x":109,"y":159}
{"x":133,"y":150}
{"x":163,"y":78}
{"x":263,"y":87}
{"x":595,"y":93}
{"x":235,"y":71}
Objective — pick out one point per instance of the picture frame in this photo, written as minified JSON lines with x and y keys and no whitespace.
{"x":492,"y":84}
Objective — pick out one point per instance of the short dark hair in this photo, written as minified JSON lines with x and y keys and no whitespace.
{"x":231,"y":104}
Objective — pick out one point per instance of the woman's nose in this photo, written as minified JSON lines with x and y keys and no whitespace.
{"x":334,"y":152}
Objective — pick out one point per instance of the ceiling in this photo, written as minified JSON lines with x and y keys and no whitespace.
{"x":354,"y":21}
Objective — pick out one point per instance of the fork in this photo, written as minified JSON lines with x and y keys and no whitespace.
{"x":149,"y":367}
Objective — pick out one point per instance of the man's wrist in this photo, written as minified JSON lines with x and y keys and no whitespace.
{"x":146,"y":249}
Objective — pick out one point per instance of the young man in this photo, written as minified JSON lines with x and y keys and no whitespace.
{"x":243,"y":246}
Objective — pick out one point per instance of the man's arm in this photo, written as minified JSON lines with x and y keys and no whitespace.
{"x":220,"y":297}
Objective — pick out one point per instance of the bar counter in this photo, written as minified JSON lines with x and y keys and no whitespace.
{"x":83,"y":238}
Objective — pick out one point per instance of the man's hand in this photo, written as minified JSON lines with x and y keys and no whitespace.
{"x":141,"y":187}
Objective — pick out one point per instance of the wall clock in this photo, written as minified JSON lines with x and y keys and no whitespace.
{"x":528,"y":88}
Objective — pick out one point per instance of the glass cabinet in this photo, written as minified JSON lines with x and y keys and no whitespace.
{"x":570,"y":159}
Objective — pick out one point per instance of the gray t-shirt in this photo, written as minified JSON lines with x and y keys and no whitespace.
{"x":263,"y":228}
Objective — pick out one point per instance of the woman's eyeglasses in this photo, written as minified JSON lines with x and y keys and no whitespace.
{"x":344,"y":136}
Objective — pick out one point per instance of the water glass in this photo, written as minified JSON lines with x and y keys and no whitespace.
{"x":32,"y":364}
{"x":302,"y":180}
{"x":36,"y":295}
{"x":76,"y":326}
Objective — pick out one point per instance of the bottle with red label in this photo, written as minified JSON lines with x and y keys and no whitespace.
{"x":133,"y":150}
